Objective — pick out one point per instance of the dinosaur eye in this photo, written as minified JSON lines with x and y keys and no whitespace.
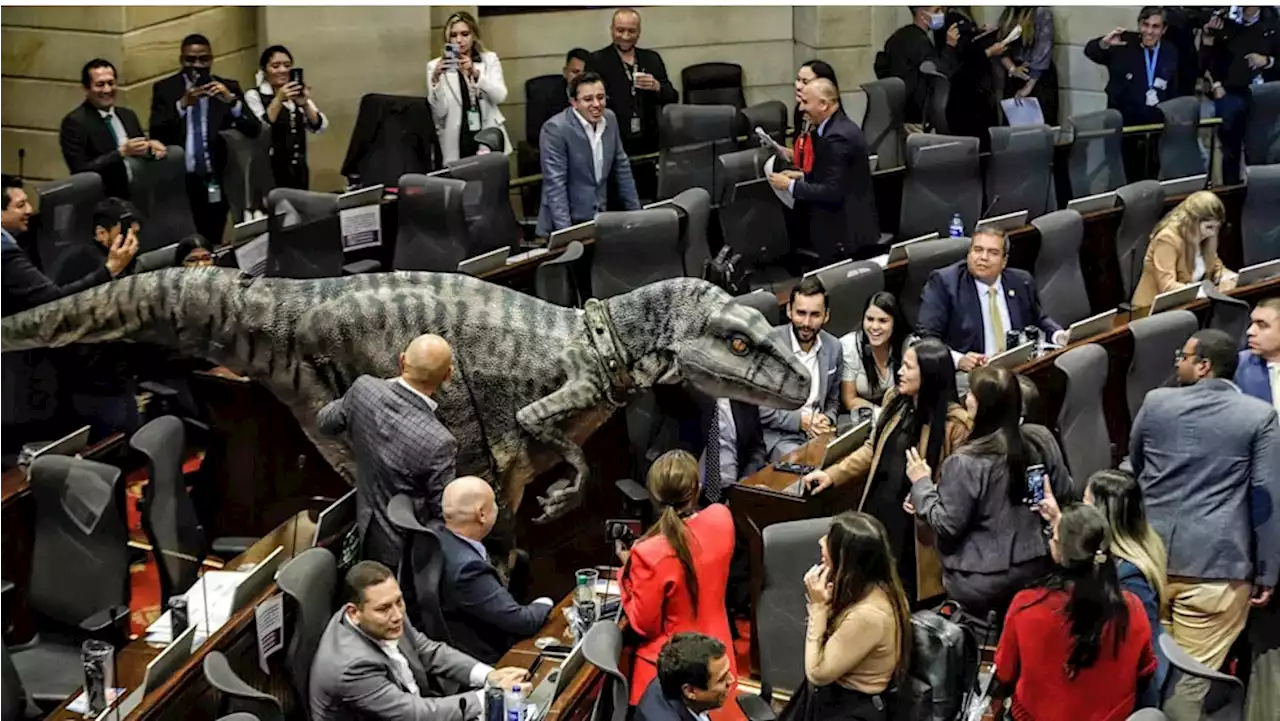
{"x":738,"y":345}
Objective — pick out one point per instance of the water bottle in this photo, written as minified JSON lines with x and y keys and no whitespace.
{"x":585,"y":601}
{"x":957,"y":226}
{"x":495,"y":704}
{"x":513,"y":700}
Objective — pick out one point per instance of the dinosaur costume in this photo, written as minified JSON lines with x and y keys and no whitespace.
{"x":532,"y":381}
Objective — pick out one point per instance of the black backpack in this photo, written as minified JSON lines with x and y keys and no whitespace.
{"x":944,"y":668}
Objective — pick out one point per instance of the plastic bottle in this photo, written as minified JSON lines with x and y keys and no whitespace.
{"x":513,"y":700}
{"x":957,"y":226}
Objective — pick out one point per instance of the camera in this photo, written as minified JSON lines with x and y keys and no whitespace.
{"x":626,"y":530}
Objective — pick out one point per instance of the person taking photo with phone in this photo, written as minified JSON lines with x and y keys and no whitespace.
{"x":465,"y":88}
{"x":989,"y":536}
{"x":282,"y":102}
{"x":190,"y":109}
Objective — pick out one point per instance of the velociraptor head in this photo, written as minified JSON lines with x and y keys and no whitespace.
{"x":736,"y":356}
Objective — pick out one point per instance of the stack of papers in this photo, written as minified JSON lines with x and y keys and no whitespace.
{"x":208,"y":607}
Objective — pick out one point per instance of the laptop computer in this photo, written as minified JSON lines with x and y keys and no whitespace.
{"x":1258,"y":273}
{"x":559,"y":239}
{"x":657,"y":204}
{"x":898,"y":251}
{"x":555,"y":683}
{"x":485,"y":263}
{"x":845,"y":444}
{"x":249,"y":229}
{"x":1013,"y":357}
{"x":159,"y":670}
{"x":1184,"y":186}
{"x":334,"y":518}
{"x":1174,"y":298}
{"x":1093,"y":203}
{"x":828,"y":267}
{"x":259,"y":578}
{"x":68,"y":445}
{"x":371,"y":195}
{"x":1091,"y":326}
{"x":1006,"y":222}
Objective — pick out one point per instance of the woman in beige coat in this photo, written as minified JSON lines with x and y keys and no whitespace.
{"x":1184,"y":249}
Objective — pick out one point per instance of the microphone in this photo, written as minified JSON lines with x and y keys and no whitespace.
{"x":989,"y":207}
{"x":768,"y":142}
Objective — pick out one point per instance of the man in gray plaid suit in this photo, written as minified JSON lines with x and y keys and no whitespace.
{"x":399,"y":444}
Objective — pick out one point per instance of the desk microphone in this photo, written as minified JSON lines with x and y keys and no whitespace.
{"x":990,"y":205}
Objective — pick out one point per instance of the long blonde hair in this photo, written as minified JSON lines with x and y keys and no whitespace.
{"x":1184,"y":221}
{"x":463,"y":16}
{"x":1024,"y":16}
{"x":673,"y":483}
{"x":1119,"y":497}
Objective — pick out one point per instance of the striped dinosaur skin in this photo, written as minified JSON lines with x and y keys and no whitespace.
{"x":528,"y":387}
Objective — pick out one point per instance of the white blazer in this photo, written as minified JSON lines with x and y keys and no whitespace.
{"x":445,"y":97}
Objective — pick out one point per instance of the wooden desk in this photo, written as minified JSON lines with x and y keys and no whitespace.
{"x":17,"y":515}
{"x":181,"y":695}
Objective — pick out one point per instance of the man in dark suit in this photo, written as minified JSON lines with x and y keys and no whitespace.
{"x":483,"y":618}
{"x":837,"y":191}
{"x":552,"y":98}
{"x":98,"y":135}
{"x":971,"y":305}
{"x":399,"y":444}
{"x":581,"y":152}
{"x":189,"y":109}
{"x":735,"y":451}
{"x":636,"y":82}
{"x":1142,"y":69}
{"x":693,"y":679}
{"x":372,"y":663}
{"x":909,"y":46}
{"x":1258,"y":372}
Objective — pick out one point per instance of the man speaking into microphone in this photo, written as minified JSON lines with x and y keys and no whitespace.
{"x":837,"y":191}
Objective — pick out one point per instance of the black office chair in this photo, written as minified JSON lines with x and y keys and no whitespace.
{"x":248,"y":178}
{"x":234,"y":695}
{"x":713,"y":84}
{"x":79,"y":585}
{"x":1262,"y":127}
{"x":922,"y":259}
{"x":849,"y":287}
{"x":690,"y":138}
{"x":394,"y":136}
{"x":1227,"y":314}
{"x":1180,"y":141}
{"x":1156,"y":338}
{"x":14,"y":705}
{"x":1260,"y":218}
{"x":1225,"y":700}
{"x":556,"y":280}
{"x":158,"y":189}
{"x":752,"y":225}
{"x":165,"y":257}
{"x":602,"y":648}
{"x":943,"y":178}
{"x":491,"y":221}
{"x":635,"y":248}
{"x":308,"y":581}
{"x":694,"y":206}
{"x":1082,"y":425}
{"x":763,"y":301}
{"x":737,"y":167}
{"x":432,"y":232}
{"x":1058,"y":276}
{"x":421,"y":570}
{"x":938,"y":98}
{"x":66,"y":217}
{"x":769,"y":116}
{"x":169,"y":517}
{"x":882,"y":123}
{"x":1019,"y":170}
{"x":1142,"y":206}
{"x":1095,"y":159}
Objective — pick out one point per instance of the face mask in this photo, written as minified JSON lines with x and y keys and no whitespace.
{"x":936,"y":21}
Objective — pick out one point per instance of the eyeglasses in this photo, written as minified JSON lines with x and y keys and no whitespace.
{"x":1181,"y":355}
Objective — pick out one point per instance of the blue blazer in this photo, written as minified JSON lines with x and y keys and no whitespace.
{"x":1251,"y":376}
{"x":950,"y":309}
{"x":571,"y":192}
{"x":654,"y":706}
{"x":484,"y":620}
{"x":1127,"y":77}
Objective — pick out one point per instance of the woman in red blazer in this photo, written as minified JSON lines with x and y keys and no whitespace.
{"x":674,"y":578}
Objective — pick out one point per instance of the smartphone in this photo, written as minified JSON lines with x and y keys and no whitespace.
{"x":203,"y":76}
{"x":295,"y":75}
{"x":1035,"y":484}
{"x":126,"y":222}
{"x":613,"y":528}
{"x":450,"y":55}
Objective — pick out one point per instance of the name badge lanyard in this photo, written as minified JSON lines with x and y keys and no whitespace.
{"x":631,"y":71}
{"x":473,"y":120}
{"x":1151,"y":57}
{"x":213,"y":190}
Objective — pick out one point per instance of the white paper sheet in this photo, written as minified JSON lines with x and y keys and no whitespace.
{"x":361,"y":227}
{"x":208,"y":607}
{"x":1022,"y":111}
{"x":784,"y":195}
{"x":269,"y":617}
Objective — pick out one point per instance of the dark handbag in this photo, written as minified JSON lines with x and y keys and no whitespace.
{"x":944,"y":668}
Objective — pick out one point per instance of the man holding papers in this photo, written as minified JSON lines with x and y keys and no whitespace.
{"x":842,"y":213}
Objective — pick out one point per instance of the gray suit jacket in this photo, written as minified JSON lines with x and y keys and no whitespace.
{"x":400,"y":447}
{"x":353,"y":678}
{"x":571,"y":192}
{"x":780,"y":426}
{"x":1208,"y":460}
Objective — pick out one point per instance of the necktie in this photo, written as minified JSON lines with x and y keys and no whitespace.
{"x":711,"y":482}
{"x":997,"y":325}
{"x":117,"y":132}
{"x":198,"y":140}
{"x":112,"y":127}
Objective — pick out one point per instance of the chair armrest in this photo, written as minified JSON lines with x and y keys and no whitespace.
{"x":755,"y":708}
{"x":572,"y":252}
{"x":231,"y":546}
{"x":108,"y":620}
{"x":1181,"y":660}
{"x":362,"y":266}
{"x":632,"y":490}
{"x":5,"y":586}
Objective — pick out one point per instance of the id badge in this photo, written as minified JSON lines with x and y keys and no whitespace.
{"x":1153,"y":98}
{"x":635,"y":125}
{"x":214,"y":190}
{"x":473,"y":120}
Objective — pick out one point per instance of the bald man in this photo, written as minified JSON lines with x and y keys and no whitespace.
{"x":399,"y":444}
{"x":636,"y":82}
{"x":837,"y":190}
{"x":483,"y":618}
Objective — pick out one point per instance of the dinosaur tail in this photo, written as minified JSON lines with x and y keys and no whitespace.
{"x":151,"y":307}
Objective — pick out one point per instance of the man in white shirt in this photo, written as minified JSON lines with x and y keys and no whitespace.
{"x":1258,"y":374}
{"x":821,"y":354}
{"x":483,"y":618}
{"x":694,"y":678}
{"x":372,"y":662}
{"x":581,"y":149}
{"x":99,"y":135}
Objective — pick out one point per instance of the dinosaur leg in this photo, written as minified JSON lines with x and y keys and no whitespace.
{"x":544,"y":419}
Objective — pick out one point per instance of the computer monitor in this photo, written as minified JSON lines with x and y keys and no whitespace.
{"x":1175,"y":298}
{"x":1093,"y":203}
{"x":258,"y":579}
{"x":336,"y":517}
{"x":1006,"y":222}
{"x":564,"y":236}
{"x":1184,"y":186}
{"x":898,"y":251}
{"x":68,"y":445}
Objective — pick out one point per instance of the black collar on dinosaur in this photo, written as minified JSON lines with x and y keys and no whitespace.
{"x":612,"y":354}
